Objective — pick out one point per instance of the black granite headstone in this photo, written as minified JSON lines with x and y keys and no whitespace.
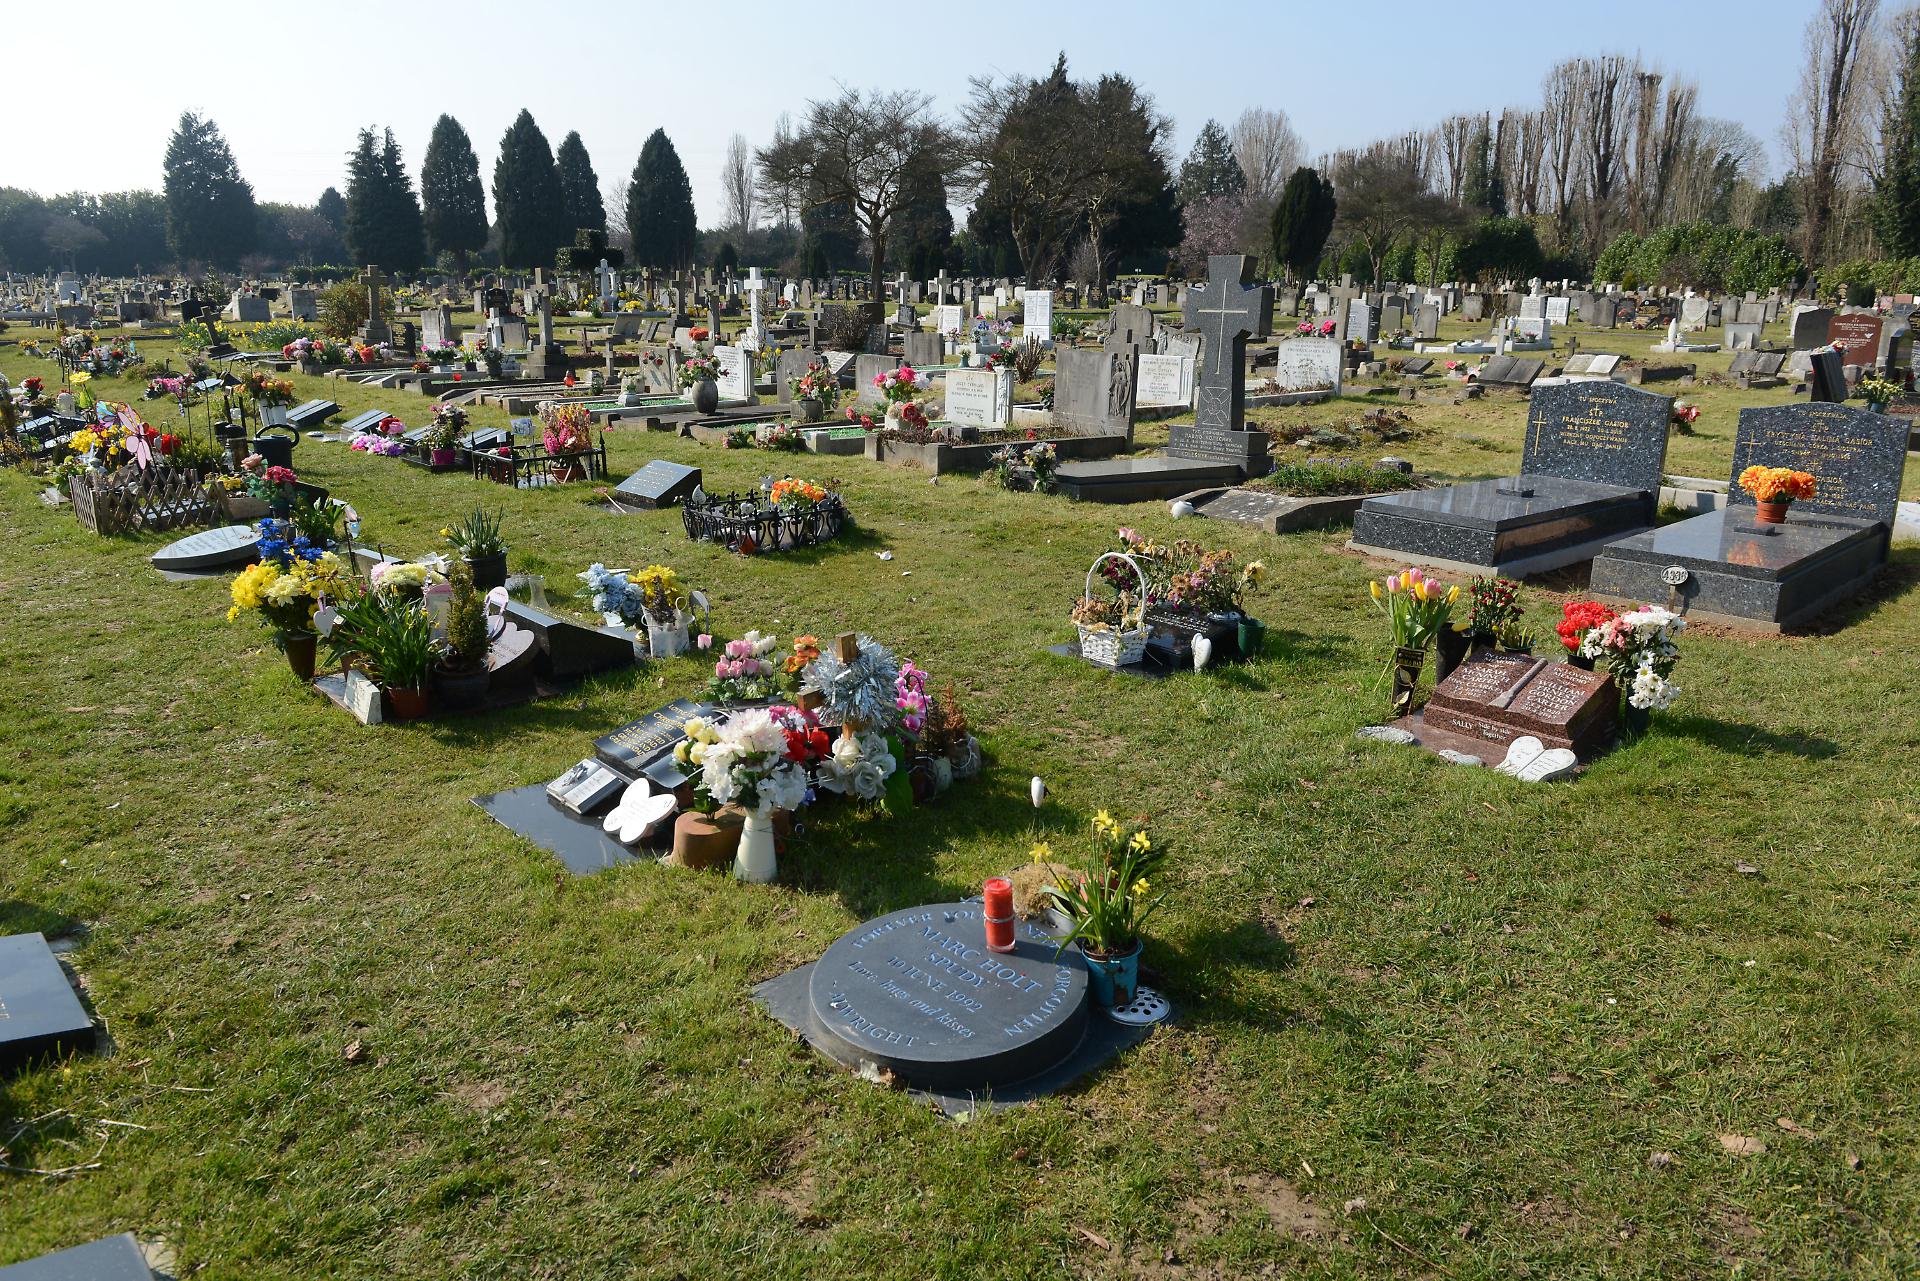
{"x":658,"y":484}
{"x":39,"y":1013}
{"x":108,"y":1259}
{"x":645,"y":746}
{"x":1857,"y":457}
{"x":570,"y":648}
{"x":1828,"y":376}
{"x":1600,"y":431}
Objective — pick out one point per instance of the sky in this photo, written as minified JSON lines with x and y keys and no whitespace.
{"x":291,"y":85}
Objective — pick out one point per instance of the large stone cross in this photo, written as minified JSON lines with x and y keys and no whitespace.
{"x":1228,"y":310}
{"x":376,"y":330}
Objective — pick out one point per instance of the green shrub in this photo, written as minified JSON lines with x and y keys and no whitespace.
{"x":343,"y":309}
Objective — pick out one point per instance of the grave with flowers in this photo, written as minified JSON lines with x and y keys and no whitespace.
{"x":1152,"y":608}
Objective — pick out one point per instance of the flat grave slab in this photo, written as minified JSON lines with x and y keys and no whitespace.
{"x":656,"y":485}
{"x":1140,"y":480}
{"x":42,"y":1016}
{"x":1275,"y":513}
{"x":916,"y":994}
{"x":579,"y":843}
{"x":1495,"y":698}
{"x":209,"y":551}
{"x":117,"y":1258}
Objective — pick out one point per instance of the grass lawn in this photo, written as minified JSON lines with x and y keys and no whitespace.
{"x":1433,"y":1023}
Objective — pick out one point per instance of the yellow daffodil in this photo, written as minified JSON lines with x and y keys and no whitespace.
{"x":1103,"y":822}
{"x":1042,"y":853}
{"x":446,"y":533}
{"x":1140,"y":887}
{"x":1140,"y":844}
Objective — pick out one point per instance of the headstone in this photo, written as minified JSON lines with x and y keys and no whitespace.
{"x":1164,"y":381}
{"x":1809,"y":327}
{"x":980,"y":397}
{"x":40,"y":1017}
{"x":1037,"y":307}
{"x":1857,"y":335}
{"x":736,"y":372}
{"x":1739,"y":336}
{"x":1856,"y":457}
{"x":1093,"y":393}
{"x":209,"y":549}
{"x":1473,"y":308}
{"x":1363,"y":322}
{"x":1556,"y":311}
{"x":1426,"y":323}
{"x":658,"y":484}
{"x":1309,"y":364}
{"x":644,"y":747}
{"x":924,"y":351}
{"x":305,"y":305}
{"x":376,"y":329}
{"x":1497,"y":698}
{"x":1606,"y":433}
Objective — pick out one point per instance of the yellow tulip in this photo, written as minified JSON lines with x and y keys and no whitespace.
{"x":1374,"y":587}
{"x":1453,"y":593}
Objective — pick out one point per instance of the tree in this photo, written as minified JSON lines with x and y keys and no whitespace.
{"x":527,"y":200}
{"x":134,"y":224}
{"x":579,"y":187}
{"x":1480,"y":183}
{"x":1302,"y":221}
{"x":859,"y":149}
{"x":1499,"y":248}
{"x":333,"y":207}
{"x":829,"y":238}
{"x":453,"y":203}
{"x":777,"y":191}
{"x":726,"y":257}
{"x":1826,"y":114}
{"x":1267,"y":150}
{"x":660,"y":216}
{"x":210,"y":207}
{"x":923,"y":229}
{"x":1381,"y":197}
{"x":1210,"y":169}
{"x":1212,"y":226}
{"x":736,"y":184}
{"x":383,"y":217}
{"x":1126,"y":192}
{"x":1027,"y":157}
{"x":1896,"y":188}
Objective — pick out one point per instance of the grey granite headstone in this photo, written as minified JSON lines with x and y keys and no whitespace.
{"x":1605,"y":432}
{"x":924,"y":350}
{"x":1226,"y":311}
{"x":43,"y":1016}
{"x":1093,"y":392}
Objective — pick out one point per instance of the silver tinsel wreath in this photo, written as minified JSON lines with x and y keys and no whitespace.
{"x":862,"y":690}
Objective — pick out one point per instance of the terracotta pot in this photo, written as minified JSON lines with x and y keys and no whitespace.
{"x":1771,"y":513}
{"x":300,"y":649}
{"x":408,"y":704}
{"x":565,"y":473}
{"x":703,"y":841}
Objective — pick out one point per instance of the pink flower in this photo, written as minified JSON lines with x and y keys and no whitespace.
{"x":704,"y":641}
{"x":720,"y":670}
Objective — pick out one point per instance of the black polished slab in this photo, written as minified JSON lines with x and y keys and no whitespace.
{"x":1499,"y":524}
{"x":1856,"y":457}
{"x":1140,"y":480}
{"x":580,"y":843}
{"x":1770,"y":577}
{"x":40,"y":1017}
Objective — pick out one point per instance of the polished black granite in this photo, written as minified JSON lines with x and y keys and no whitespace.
{"x":1857,"y":457}
{"x":40,"y":1017}
{"x":1139,"y":480}
{"x":1498,"y":524}
{"x":108,"y":1259}
{"x":1769,"y":577}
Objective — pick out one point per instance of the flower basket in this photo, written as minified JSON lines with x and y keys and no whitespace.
{"x":1114,"y":646}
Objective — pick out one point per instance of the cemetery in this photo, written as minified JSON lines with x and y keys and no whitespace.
{"x":1316,"y":744}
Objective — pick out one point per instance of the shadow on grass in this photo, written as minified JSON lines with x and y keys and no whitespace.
{"x":1901,"y":575}
{"x":1739,"y":739}
{"x":1192,"y":968}
{"x":17,"y":916}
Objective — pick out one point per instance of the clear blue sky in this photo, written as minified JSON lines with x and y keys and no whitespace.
{"x":1345,"y":73}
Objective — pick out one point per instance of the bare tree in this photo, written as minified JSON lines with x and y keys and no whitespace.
{"x":736,"y":184}
{"x":1560,"y":115}
{"x":775,"y":191}
{"x":613,"y":194}
{"x":1826,"y":127}
{"x":1606,"y":122}
{"x":1662,"y":129}
{"x":857,"y":150}
{"x":1452,"y":139}
{"x":1717,"y":160}
{"x":1521,"y":147}
{"x":1267,"y":150}
{"x":1028,"y":157}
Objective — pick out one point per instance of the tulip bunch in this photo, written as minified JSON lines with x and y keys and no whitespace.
{"x":1416,"y":606}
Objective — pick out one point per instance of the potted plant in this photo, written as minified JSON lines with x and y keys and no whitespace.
{"x":898,"y":387}
{"x":390,"y":634}
{"x":1108,"y":902}
{"x":700,"y":376}
{"x":271,"y":398}
{"x":813,"y":393}
{"x":477,"y":539}
{"x":652,"y":599}
{"x":443,"y":434}
{"x":744,"y":673}
{"x":271,"y":484}
{"x":1494,"y":605}
{"x":1417,"y":609}
{"x":460,"y":678}
{"x":1774,"y":489}
{"x":701,"y":839}
{"x":285,"y":590}
{"x":1878,"y":393}
{"x":1577,"y":619}
{"x":565,"y":436}
{"x":1113,"y":632}
{"x":1640,"y":649}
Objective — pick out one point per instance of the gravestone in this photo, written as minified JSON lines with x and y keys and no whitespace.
{"x":1093,"y":392}
{"x":865,"y":369}
{"x":305,"y":304}
{"x":1363,"y":322}
{"x":1739,"y":335}
{"x":1492,"y":699}
{"x":924,"y":351}
{"x":1857,"y":335}
{"x":736,"y":372}
{"x":1164,"y":381}
{"x":376,"y":329}
{"x":1809,"y":327}
{"x":1133,"y":326}
{"x":116,"y":1258}
{"x":1693,"y":313}
{"x":979,"y":397}
{"x":1426,"y":323}
{"x":644,"y":747}
{"x":1037,"y":312}
{"x":1725,"y":567}
{"x":1590,"y":471}
{"x":42,"y":1016}
{"x":1827,"y":376}
{"x":658,"y":484}
{"x":209,"y":549}
{"x":1308,"y":364}
{"x":1557,"y":309}
{"x":1473,"y":308}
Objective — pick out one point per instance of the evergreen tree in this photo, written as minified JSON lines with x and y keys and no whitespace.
{"x":1302,"y":221}
{"x":526,"y":197}
{"x":922,"y":237}
{"x":210,"y":207}
{"x":660,"y":216}
{"x":580,"y":186}
{"x":1481,"y":186}
{"x":1896,"y":191}
{"x":383,"y":217}
{"x":454,"y":203}
{"x":1210,"y":169}
{"x":726,"y":257}
{"x":333,"y":207}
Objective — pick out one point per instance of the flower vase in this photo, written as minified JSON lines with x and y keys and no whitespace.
{"x":894,"y":417}
{"x":408,"y":704}
{"x":705,"y":394}
{"x":702,"y":841}
{"x":756,"y":861}
{"x":668,"y":640}
{"x":1113,"y":980}
{"x":1636,"y":720}
{"x":1579,"y":660}
{"x":1407,"y":661}
{"x":300,"y":649}
{"x":1252,"y":637}
{"x":808,"y":411}
{"x":1771,"y":513}
{"x":440,"y":457}
{"x":1449,"y":651}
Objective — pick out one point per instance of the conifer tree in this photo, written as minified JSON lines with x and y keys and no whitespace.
{"x":210,"y":207}
{"x":526,"y":197}
{"x":660,"y":216}
{"x":454,"y":204}
{"x":579,"y":186}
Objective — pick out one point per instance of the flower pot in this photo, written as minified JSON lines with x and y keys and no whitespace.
{"x":1252,"y":637}
{"x":440,"y":457}
{"x":567,"y":472}
{"x":300,"y":648}
{"x":1635,"y":720}
{"x":1112,"y":980}
{"x":488,"y":572}
{"x":1407,"y":661}
{"x":701,"y":841}
{"x":1579,"y":660}
{"x":667,"y":640}
{"x":461,"y":691}
{"x":705,"y":394}
{"x":1449,"y":651}
{"x":1771,"y":513}
{"x":808,"y":411}
{"x":756,"y":861}
{"x":408,"y":704}
{"x":244,"y":508}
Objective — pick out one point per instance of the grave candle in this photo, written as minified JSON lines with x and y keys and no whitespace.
{"x":999,"y":913}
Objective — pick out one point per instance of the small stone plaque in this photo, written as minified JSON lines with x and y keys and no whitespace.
{"x":918,"y":993}
{"x":108,"y":1259}
{"x":39,"y":1014}
{"x":658,"y":484}
{"x":209,"y":549}
{"x":638,"y":747}
{"x":1497,"y":698}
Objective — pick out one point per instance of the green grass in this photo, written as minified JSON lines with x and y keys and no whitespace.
{"x":1481,"y":1007}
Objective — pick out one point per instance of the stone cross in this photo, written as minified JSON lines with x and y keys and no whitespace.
{"x":751,"y":340}
{"x":376,"y":330}
{"x":901,"y":286}
{"x":940,"y":287}
{"x":609,"y":282}
{"x":545,"y":293}
{"x":1227,"y":310}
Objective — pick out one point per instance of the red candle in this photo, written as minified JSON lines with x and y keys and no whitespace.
{"x":999,"y":914}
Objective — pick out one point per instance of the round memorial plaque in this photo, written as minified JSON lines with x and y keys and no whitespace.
{"x":918,"y":992}
{"x":209,"y":549}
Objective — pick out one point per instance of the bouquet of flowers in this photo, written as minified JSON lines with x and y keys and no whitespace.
{"x":744,"y":673}
{"x":1110,"y":899}
{"x":913,"y":416}
{"x":816,"y":385}
{"x":1496,"y":607}
{"x":1577,"y":619}
{"x":699,"y":368}
{"x":807,"y":744}
{"x":699,"y":333}
{"x":805,"y":650}
{"x":1640,"y":649}
{"x":898,"y":386}
{"x":448,"y":422}
{"x":266,"y":390}
{"x":565,"y":428}
{"x":779,"y":436}
{"x":1684,"y":415}
{"x":1416,"y":606}
{"x":910,"y":697}
{"x":404,"y":578}
{"x":789,"y":492}
{"x":1778,"y":484}
{"x":859,"y":766}
{"x":286,"y":594}
{"x":1184,"y":577}
{"x":268,"y":484}
{"x":748,"y":764}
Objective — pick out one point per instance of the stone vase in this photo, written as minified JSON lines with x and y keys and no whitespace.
{"x":756,"y":861}
{"x":808,"y":411}
{"x":705,"y":394}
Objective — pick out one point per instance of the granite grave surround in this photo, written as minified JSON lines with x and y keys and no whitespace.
{"x":1723,"y":567}
{"x":40,"y":1015}
{"x":116,"y":1258}
{"x":916,"y":997}
{"x":1590,"y":470}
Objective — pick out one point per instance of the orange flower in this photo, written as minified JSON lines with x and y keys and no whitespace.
{"x":1777,"y":484}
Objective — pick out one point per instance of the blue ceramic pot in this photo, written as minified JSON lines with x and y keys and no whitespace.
{"x":1113,"y":980}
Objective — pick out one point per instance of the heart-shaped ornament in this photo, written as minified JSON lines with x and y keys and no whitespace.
{"x":1202,"y":651}
{"x":1520,"y":753}
{"x":1553,"y":763}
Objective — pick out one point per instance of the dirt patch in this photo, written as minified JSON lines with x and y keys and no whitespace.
{"x":1548,"y":1212}
{"x":1255,"y":1197}
{"x":795,"y":1188}
{"x":481,"y":1096}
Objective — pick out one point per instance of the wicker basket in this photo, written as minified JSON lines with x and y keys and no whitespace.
{"x":1115,"y":646}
